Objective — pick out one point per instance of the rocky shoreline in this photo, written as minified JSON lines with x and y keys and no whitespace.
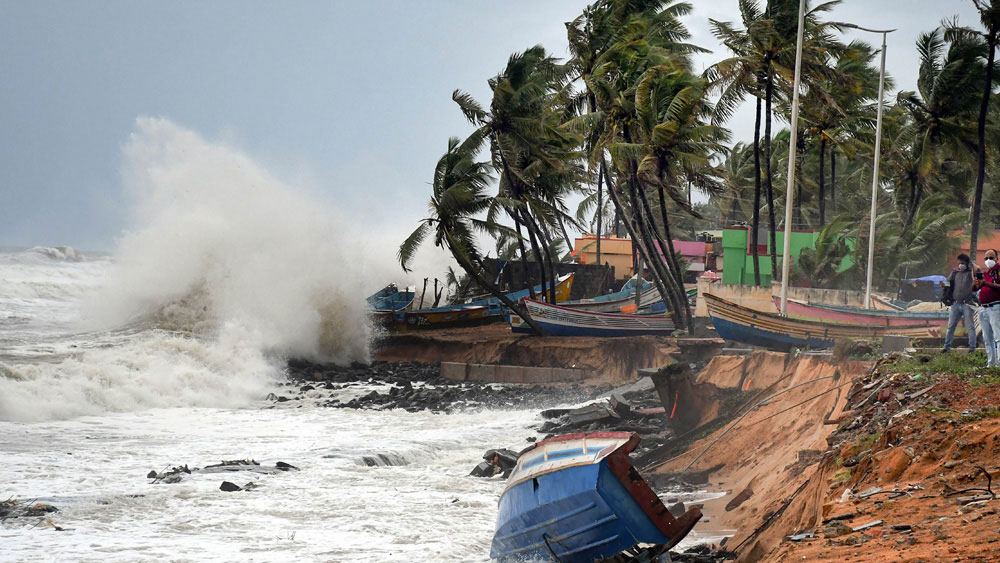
{"x":416,"y":387}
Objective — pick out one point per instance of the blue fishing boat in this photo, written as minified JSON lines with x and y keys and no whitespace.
{"x":564,"y":285}
{"x":771,"y":330}
{"x":563,"y":321}
{"x":472,"y":313}
{"x":394,"y":302}
{"x":577,"y":498}
{"x":614,"y":302}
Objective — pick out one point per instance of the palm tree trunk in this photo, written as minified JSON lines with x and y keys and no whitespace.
{"x":833,"y":179}
{"x":768,"y":96}
{"x":654,"y":255}
{"x":633,"y":231}
{"x":798,"y":179}
{"x":755,"y":221}
{"x":535,"y":249}
{"x":565,"y":233}
{"x":981,"y":135}
{"x":486,"y":284}
{"x":600,"y":211}
{"x":524,"y":253}
{"x":822,"y":181}
{"x":672,"y":257}
{"x":549,"y":261}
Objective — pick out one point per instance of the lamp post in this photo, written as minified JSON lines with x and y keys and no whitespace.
{"x":878,"y":151}
{"x":793,"y":141}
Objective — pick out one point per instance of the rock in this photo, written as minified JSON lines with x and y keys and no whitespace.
{"x":285,"y":466}
{"x":151,"y":475}
{"x":677,"y":510}
{"x":739,"y":499}
{"x":229,"y":487}
{"x":836,"y":529}
{"x":484,"y":469}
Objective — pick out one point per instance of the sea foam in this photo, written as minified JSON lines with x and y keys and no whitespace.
{"x":223,"y":272}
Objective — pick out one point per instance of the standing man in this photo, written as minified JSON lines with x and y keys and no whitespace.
{"x":989,"y":310}
{"x":962,"y":298}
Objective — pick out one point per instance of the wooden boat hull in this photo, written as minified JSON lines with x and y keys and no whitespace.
{"x":881,"y":304}
{"x":563,"y":321}
{"x":846,"y":315}
{"x":480,"y":312}
{"x":771,"y":330}
{"x":577,"y":498}
{"x":448,"y":318}
{"x":564,"y":286}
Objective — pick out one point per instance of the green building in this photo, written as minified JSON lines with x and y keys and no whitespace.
{"x":737,"y":254}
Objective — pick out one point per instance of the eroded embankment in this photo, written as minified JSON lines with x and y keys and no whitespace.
{"x":773,"y":443}
{"x":909,"y":476}
{"x":613,"y":360}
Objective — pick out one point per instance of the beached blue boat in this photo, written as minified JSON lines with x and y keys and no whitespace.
{"x":577,"y":498}
{"x":564,"y":285}
{"x":562,"y":321}
{"x":614,"y":302}
{"x":771,"y":330}
{"x":476,"y":312}
{"x":395,"y":302}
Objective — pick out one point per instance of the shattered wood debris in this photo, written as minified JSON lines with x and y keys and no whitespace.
{"x":178,"y":473}
{"x":13,"y":508}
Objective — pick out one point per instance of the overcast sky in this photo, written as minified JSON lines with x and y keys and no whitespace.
{"x":352,"y":100}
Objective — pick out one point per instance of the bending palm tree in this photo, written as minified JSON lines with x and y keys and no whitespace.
{"x":459,"y":194}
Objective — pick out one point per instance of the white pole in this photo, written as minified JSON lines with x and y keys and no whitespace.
{"x":878,"y":147}
{"x":789,"y":197}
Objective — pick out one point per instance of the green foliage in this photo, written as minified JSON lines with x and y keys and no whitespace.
{"x":628,"y":124}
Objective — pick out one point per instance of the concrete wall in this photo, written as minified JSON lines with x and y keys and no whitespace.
{"x":760,"y":298}
{"x":491,"y":373}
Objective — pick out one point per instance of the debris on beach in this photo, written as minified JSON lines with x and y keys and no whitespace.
{"x":230,"y":487}
{"x":178,"y":473}
{"x":496,"y":462}
{"x":13,"y":508}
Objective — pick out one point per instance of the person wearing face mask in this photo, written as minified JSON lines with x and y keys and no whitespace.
{"x":989,"y":309}
{"x":962,"y":298}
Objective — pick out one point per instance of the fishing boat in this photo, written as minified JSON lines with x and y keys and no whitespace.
{"x":614,"y":302}
{"x":563,"y":321}
{"x":771,"y":330}
{"x":883,"y":304}
{"x":564,"y":285}
{"x":473,"y":313}
{"x":387,"y":302}
{"x":395,"y":301}
{"x":850,"y":315}
{"x":577,"y":498}
{"x":445,"y":317}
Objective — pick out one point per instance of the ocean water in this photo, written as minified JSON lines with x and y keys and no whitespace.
{"x":161,"y":353}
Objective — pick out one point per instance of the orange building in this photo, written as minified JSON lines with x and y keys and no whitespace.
{"x":617,"y":252}
{"x":987,"y":240}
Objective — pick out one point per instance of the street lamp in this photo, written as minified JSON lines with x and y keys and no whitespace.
{"x":793,"y":141}
{"x":878,"y":151}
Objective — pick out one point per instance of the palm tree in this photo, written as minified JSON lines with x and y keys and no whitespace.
{"x":989,"y":16}
{"x":764,"y":58}
{"x":615,"y":42}
{"x":940,"y":109}
{"x":837,"y":110}
{"x":822,"y":264}
{"x":676,"y":144}
{"x":534,"y":159}
{"x":736,"y":175}
{"x":458,"y":197}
